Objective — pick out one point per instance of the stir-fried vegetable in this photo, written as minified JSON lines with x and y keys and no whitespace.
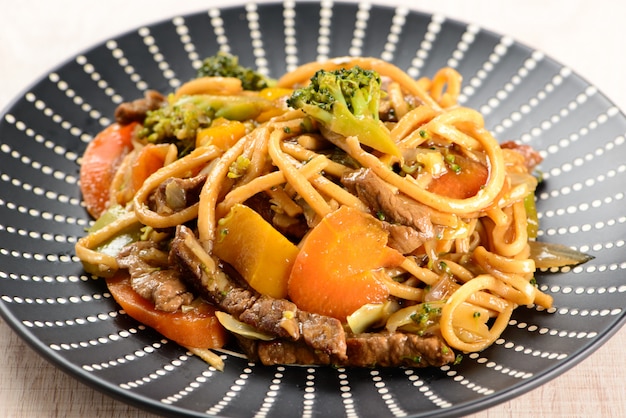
{"x":222,"y":133}
{"x":463,"y":178}
{"x":371,"y":315}
{"x":551,"y":255}
{"x":99,"y":164}
{"x":532,"y":221}
{"x":338,"y":267}
{"x":193,"y":326}
{"x":181,"y":120}
{"x":346,"y":102}
{"x":240,"y":328}
{"x":225,"y":65}
{"x":261,"y":254}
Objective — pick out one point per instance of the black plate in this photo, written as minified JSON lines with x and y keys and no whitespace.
{"x":71,"y":320}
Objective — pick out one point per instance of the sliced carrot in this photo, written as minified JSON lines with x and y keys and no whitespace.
{"x":336,"y":270}
{"x":462,"y":183}
{"x":195,"y":328}
{"x":150,"y":159}
{"x":99,"y":163}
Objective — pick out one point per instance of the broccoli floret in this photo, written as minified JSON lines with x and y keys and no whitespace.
{"x":226,"y":65}
{"x":179,"y":121}
{"x":346,"y":102}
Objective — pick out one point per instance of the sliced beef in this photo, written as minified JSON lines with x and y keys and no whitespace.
{"x":267,"y":314}
{"x":136,"y":110}
{"x":282,"y":352}
{"x":402,"y":238}
{"x":151,"y":278}
{"x":262,"y":205}
{"x":292,"y":227}
{"x":278,"y":317}
{"x":531,"y":156}
{"x":363,"y":350}
{"x":397,"y":349}
{"x":395,"y":207}
{"x":176,"y":194}
{"x":385,"y":110}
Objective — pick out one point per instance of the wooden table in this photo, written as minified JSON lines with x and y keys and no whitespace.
{"x":35,"y":36}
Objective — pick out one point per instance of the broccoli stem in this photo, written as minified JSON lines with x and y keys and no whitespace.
{"x":368,"y":131}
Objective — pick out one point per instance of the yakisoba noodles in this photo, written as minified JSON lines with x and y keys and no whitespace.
{"x":463,"y":279}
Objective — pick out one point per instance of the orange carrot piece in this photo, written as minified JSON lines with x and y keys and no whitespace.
{"x":465,"y":183}
{"x":196,"y":328}
{"x":99,"y":163}
{"x":335,"y":272}
{"x":150,"y":159}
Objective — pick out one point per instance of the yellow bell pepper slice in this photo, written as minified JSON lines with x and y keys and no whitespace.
{"x":222,"y":133}
{"x":260,"y":253}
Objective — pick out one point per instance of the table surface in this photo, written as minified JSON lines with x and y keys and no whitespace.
{"x":35,"y":36}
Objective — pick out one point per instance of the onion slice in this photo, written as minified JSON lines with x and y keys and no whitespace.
{"x":551,"y":255}
{"x":237,"y":327}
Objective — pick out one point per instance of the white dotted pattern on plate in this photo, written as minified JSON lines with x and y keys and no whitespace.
{"x":310,"y":401}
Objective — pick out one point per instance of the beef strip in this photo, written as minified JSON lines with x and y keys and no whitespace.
{"x":293,"y":228}
{"x":151,"y":278}
{"x":277,"y":317}
{"x":176,"y":194}
{"x":402,"y":238}
{"x":397,"y":349}
{"x":381,"y":349}
{"x":136,"y":110}
{"x":265,"y":313}
{"x":395,"y":207}
{"x":282,"y":352}
{"x":531,"y":156}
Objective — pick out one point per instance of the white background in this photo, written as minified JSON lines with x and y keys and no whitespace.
{"x":587,"y":36}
